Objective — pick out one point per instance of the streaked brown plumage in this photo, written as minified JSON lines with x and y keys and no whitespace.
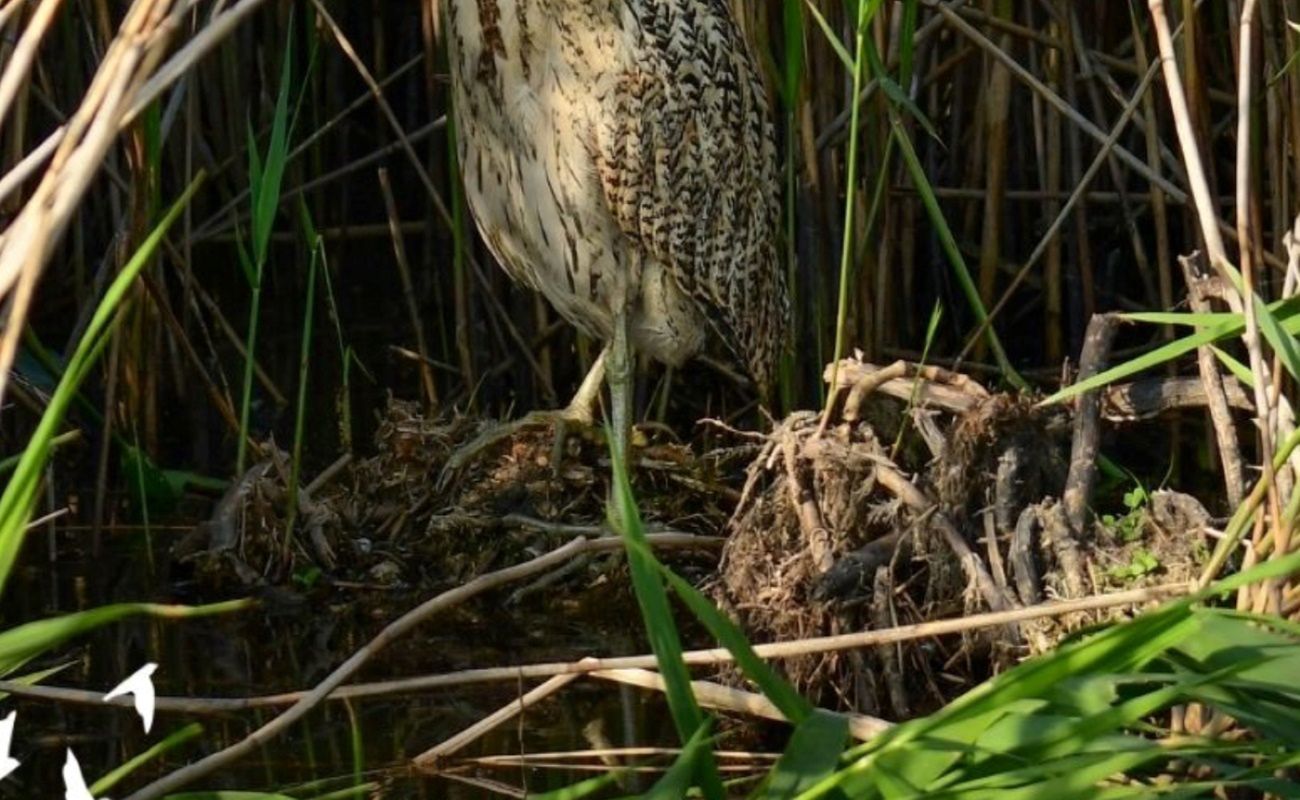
{"x":618,"y":157}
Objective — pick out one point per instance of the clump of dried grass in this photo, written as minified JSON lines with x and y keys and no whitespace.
{"x":830,"y":537}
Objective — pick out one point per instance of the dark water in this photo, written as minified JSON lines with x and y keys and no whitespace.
{"x":288,"y":643}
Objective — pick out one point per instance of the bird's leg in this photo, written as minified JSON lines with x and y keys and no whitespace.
{"x":619,"y":374}
{"x":581,"y":411}
{"x":582,"y":408}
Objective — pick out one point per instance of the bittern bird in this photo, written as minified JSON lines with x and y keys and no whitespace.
{"x":618,"y":157}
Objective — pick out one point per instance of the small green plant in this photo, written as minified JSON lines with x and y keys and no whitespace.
{"x":307,"y":577}
{"x":1127,"y":527}
{"x":1142,"y":563}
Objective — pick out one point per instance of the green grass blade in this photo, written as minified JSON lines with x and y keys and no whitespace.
{"x":728,"y":634}
{"x":1239,"y":370}
{"x":170,"y":742}
{"x":266,"y":175}
{"x":582,"y":789}
{"x":1278,"y":338}
{"x":859,"y":67}
{"x":905,"y":755}
{"x":19,"y":498}
{"x":812,"y":753}
{"x":23,"y":642}
{"x":660,"y":626}
{"x":304,"y":367}
{"x":832,"y":38}
{"x":1286,"y":313}
{"x":793,"y":68}
{"x":1184,"y":318}
{"x":270,"y":174}
{"x":1160,"y":355}
{"x":33,"y":678}
{"x":676,"y":782}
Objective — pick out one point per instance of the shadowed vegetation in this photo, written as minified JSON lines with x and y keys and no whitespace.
{"x":1064,"y":232}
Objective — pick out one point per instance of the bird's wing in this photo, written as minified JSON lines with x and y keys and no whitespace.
{"x":687,"y":161}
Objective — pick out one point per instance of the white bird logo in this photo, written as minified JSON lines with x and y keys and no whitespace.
{"x":74,"y":786}
{"x":7,"y":763}
{"x":140,"y":685}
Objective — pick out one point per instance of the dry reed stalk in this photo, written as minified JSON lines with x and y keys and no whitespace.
{"x":995,"y":110}
{"x":1063,"y":214}
{"x":1225,"y":430}
{"x":19,"y":66}
{"x":120,"y":87}
{"x":1059,"y":103}
{"x":408,"y":292}
{"x":711,"y":657}
{"x":428,"y":760}
{"x":725,"y":698}
{"x":599,"y":758}
{"x":1053,"y":278}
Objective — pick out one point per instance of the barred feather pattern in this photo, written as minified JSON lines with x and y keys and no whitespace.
{"x":624,"y":148}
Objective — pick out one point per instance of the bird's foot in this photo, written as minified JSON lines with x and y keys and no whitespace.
{"x":562,"y":420}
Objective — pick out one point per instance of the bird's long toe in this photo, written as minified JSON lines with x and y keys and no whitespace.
{"x":561,"y":420}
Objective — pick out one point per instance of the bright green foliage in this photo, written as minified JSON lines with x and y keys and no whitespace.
{"x":1142,"y":563}
{"x":1127,"y":527}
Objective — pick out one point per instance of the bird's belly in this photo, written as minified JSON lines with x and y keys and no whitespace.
{"x":554,"y":234}
{"x":666,"y":324}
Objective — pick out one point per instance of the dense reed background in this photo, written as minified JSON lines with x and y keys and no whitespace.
{"x":1014,"y":157}
{"x":965,"y":183}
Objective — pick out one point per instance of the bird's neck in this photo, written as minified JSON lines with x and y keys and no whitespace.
{"x":509,"y":41}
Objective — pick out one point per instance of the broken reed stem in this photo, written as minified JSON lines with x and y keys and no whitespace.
{"x":725,"y":698}
{"x":429,"y":758}
{"x":710,"y":657}
{"x":1225,"y":429}
{"x":1085,"y":447}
